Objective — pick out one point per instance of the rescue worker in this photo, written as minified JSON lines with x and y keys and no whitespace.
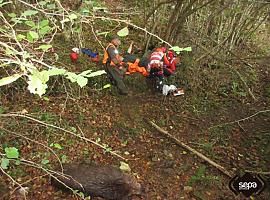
{"x":155,"y":66}
{"x":114,"y":66}
{"x":170,"y":62}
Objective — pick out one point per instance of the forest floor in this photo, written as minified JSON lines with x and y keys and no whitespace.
{"x":166,"y":169}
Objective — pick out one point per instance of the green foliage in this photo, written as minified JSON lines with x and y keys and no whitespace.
{"x":32,"y":36}
{"x":2,"y":110}
{"x":123,"y":32}
{"x":64,"y":159}
{"x":177,"y":49}
{"x":12,"y":152}
{"x":45,"y":47}
{"x":45,"y":161}
{"x":29,"y":13}
{"x":9,"y":79}
{"x":32,"y":31}
{"x":106,"y":86}
{"x":201,"y":177}
{"x":47,"y":117}
{"x":237,"y":90}
{"x":56,"y":145}
{"x":4,"y":163}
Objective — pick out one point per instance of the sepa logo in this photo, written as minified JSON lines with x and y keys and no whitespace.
{"x":248,"y":184}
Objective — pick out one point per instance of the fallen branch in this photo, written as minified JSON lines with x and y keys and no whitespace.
{"x":178,"y":142}
{"x":240,"y":120}
{"x":258,"y":172}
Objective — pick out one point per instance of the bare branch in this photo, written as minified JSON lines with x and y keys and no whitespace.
{"x":62,"y":129}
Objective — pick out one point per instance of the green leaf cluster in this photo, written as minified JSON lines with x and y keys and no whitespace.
{"x":10,"y":153}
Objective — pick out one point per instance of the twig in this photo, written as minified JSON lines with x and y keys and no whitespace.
{"x":15,"y":182}
{"x":24,"y":183}
{"x":244,"y":82}
{"x":240,"y":120}
{"x":178,"y":142}
{"x":50,"y":149}
{"x":48,"y":172}
{"x":258,"y":172}
{"x":46,"y":13}
{"x":131,"y":24}
{"x":62,"y":129}
{"x":95,"y":35}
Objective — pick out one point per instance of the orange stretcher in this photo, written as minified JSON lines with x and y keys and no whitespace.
{"x":134,"y":67}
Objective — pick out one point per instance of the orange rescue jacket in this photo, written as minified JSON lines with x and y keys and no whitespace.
{"x":106,"y":55}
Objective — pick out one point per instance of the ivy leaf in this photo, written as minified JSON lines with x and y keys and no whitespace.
{"x":12,"y":15}
{"x":57,"y":146}
{"x":82,"y":81}
{"x":187,"y":49}
{"x":124,"y":167}
{"x":42,"y":3}
{"x":43,"y":23}
{"x":46,"y":98}
{"x":30,"y":23}
{"x":31,"y":36}
{"x":97,"y":73}
{"x":9,"y":79}
{"x":36,"y":86}
{"x":65,"y":20}
{"x":12,"y":152}
{"x":44,"y":30}
{"x":123,"y":32}
{"x":56,"y":71}
{"x":4,"y":163}
{"x":29,"y":13}
{"x":177,"y":49}
{"x":72,"y":16}
{"x":45,"y":47}
{"x":43,"y":75}
{"x":51,"y":6}
{"x":85,"y":11}
{"x":85,"y":73}
{"x":72,"y":76}
{"x":106,"y":86}
{"x":9,"y":51}
{"x":64,"y":158}
{"x":20,"y":37}
{"x":17,"y":162}
{"x":45,"y":161}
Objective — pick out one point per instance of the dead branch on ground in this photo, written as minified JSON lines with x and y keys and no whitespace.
{"x":200,"y":155}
